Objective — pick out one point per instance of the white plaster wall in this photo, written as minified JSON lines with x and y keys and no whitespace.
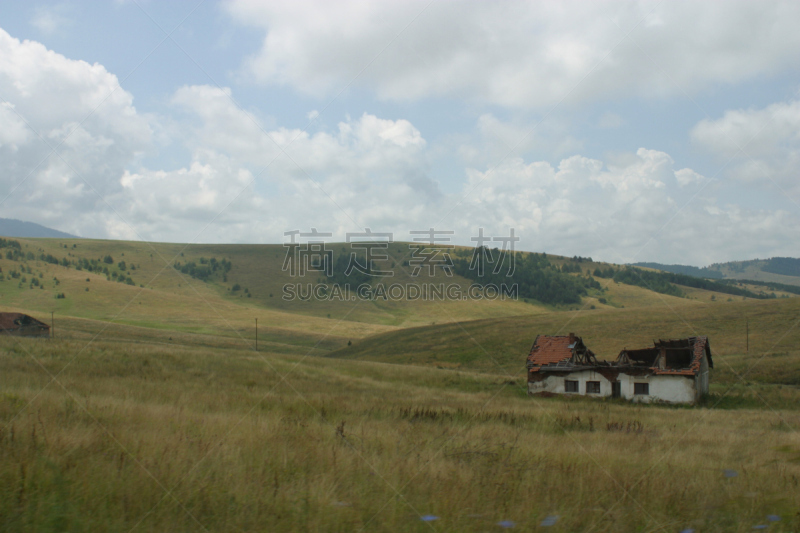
{"x":676,"y":389}
{"x":555,"y":384}
{"x":673,"y":389}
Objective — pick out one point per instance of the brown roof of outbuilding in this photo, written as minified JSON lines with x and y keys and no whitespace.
{"x":12,"y":321}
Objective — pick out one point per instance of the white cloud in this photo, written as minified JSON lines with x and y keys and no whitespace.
{"x":49,"y":19}
{"x":164,"y":204}
{"x":687,"y":176}
{"x":52,"y":101}
{"x":251,"y":180}
{"x":358,"y":146}
{"x":756,"y":132}
{"x":518,"y":54}
{"x":620,"y":213}
{"x":764,"y":144}
{"x":369,"y":171}
{"x":14,"y":131}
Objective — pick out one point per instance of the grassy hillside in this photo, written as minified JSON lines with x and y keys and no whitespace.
{"x":166,"y":302}
{"x":151,"y":409}
{"x":135,"y":283}
{"x":500,"y":345}
{"x":166,"y":295}
{"x":157,"y":437}
{"x":139,"y":286}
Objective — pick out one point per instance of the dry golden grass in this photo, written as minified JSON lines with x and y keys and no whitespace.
{"x":170,"y":302}
{"x":500,"y":345}
{"x":174,"y":301}
{"x":158,"y":437}
{"x":629,"y":296}
{"x":169,"y":420}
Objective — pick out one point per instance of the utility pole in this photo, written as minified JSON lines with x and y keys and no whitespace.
{"x":52,"y":325}
{"x":256,"y":334}
{"x":747,"y":328}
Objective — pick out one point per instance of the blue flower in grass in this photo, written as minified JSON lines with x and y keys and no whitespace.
{"x":549,"y":520}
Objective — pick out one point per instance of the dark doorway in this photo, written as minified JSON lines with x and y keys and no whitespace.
{"x":615,"y":389}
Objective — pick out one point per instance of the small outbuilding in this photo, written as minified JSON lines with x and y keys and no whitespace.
{"x":673,"y":371}
{"x":22,"y":325}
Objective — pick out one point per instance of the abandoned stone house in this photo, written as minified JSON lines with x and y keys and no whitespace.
{"x":673,"y":371}
{"x":22,"y":325}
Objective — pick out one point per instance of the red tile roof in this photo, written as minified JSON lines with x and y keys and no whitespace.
{"x":557,"y":352}
{"x":549,"y":349}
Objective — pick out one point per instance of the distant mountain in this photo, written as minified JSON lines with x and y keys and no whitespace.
{"x":10,"y":227}
{"x":786,"y":266}
{"x":780,"y":270}
{"x":684,"y":269}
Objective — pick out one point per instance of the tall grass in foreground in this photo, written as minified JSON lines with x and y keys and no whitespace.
{"x":170,"y":438}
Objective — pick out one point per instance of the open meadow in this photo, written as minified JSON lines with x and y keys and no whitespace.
{"x":163,"y":416}
{"x":153,"y":437}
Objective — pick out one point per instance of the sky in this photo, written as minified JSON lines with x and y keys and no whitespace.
{"x":622,"y":131}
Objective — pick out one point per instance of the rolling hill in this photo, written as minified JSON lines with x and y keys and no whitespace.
{"x":223,"y":288}
{"x":176,"y":290}
{"x":499,"y":345}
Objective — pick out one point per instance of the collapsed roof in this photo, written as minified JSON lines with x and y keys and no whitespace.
{"x":674,"y":356}
{"x":560,"y":352}
{"x":567,"y":353}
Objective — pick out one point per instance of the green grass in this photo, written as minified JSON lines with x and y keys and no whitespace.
{"x":348,"y":446}
{"x":500,"y":345}
{"x":173,"y":301}
{"x":163,"y":417}
{"x":168,"y":296}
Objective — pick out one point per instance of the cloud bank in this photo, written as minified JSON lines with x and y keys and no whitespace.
{"x":73,"y":147}
{"x":518,"y":54}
